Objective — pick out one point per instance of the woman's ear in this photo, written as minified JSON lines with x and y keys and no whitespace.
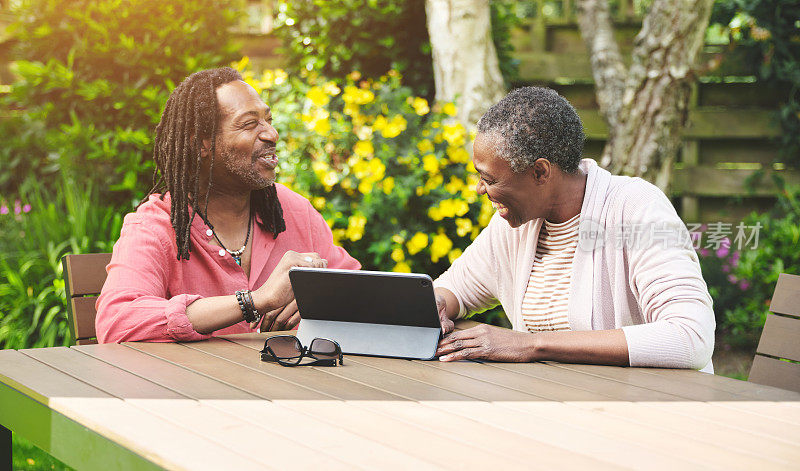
{"x":541,"y":170}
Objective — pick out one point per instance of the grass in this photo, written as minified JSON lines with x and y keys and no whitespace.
{"x":28,"y":457}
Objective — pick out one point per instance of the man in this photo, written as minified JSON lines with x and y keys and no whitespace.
{"x":208,"y":251}
{"x":589,"y":267}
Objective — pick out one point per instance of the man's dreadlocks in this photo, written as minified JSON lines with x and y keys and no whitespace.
{"x":191,"y":115}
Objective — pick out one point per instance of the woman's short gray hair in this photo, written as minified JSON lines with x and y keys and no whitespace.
{"x":532,"y":123}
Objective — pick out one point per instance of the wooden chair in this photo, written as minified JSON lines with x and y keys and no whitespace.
{"x":84,"y":276}
{"x":780,"y":340}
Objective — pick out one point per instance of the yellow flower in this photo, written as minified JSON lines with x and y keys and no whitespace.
{"x":357,"y":96}
{"x":355,"y":227}
{"x":453,"y":255}
{"x":486,"y":213}
{"x":329,"y":179}
{"x":331,"y":89}
{"x":364,"y":149}
{"x":420,"y":106}
{"x":318,"y":202}
{"x":425,"y":146}
{"x":430,"y":163}
{"x":463,"y":226}
{"x":363,"y":132}
{"x":398,"y":255}
{"x":402,"y":267}
{"x":365,"y":186}
{"x":454,"y":134}
{"x":398,"y":239}
{"x":458,"y":155}
{"x":388,"y":185}
{"x":440,"y":246}
{"x":454,"y":186}
{"x":434,"y":182}
{"x":242,"y":64}
{"x":338,"y":235}
{"x":393,"y":127}
{"x":318,"y":96}
{"x":417,"y":243}
{"x":435,"y":213}
{"x":322,"y":127}
{"x":449,"y":109}
{"x":354,"y":75}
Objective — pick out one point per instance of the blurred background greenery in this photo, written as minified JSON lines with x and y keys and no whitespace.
{"x":82,"y":85}
{"x":351,"y":85}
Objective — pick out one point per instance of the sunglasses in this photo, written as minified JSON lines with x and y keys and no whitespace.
{"x":288,"y":351}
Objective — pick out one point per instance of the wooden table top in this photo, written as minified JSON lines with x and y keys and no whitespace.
{"x":215,"y":405}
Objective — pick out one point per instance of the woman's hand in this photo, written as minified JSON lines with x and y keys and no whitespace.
{"x":441,"y":306}
{"x":487,"y":342}
{"x":276,"y":293}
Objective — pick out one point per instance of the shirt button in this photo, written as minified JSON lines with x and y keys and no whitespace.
{"x":209,"y":232}
{"x":221,"y":252}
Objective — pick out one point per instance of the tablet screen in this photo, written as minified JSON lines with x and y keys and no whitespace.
{"x":365,"y":296}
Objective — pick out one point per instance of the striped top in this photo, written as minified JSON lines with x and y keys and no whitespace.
{"x":544,"y":306}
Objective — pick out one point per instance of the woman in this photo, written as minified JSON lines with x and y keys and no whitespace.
{"x":589,"y":267}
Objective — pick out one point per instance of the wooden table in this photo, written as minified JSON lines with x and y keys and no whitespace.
{"x":214,"y":405}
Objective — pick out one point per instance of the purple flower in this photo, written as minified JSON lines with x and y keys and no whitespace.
{"x":704,"y":252}
{"x":724,"y":248}
{"x":744,"y":284}
{"x":726,"y":268}
{"x":732,"y":278}
{"x":3,"y":209}
{"x":17,"y":207}
{"x":26,"y":208}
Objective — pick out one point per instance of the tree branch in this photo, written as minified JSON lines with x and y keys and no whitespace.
{"x":607,"y":66}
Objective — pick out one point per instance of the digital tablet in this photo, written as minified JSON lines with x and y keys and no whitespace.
{"x":368,"y":312}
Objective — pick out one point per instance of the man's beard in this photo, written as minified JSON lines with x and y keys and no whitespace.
{"x":245,"y":173}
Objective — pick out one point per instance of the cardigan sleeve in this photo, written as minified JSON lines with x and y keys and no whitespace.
{"x":472,"y":277}
{"x":666,"y":279}
{"x":134,"y":304}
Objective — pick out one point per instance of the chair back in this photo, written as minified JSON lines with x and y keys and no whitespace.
{"x":777,"y":359}
{"x":84,"y":276}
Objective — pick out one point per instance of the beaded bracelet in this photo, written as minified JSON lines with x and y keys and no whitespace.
{"x":245,"y":300}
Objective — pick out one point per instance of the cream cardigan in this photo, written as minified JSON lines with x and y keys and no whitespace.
{"x":634,"y":269}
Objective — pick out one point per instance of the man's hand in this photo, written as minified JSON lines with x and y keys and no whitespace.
{"x":276,"y":292}
{"x":447,"y":323}
{"x":487,"y":342}
{"x":285,"y":318}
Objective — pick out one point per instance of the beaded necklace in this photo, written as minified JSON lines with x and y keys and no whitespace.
{"x":236,"y":254}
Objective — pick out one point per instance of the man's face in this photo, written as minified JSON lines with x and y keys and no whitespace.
{"x":518,"y":197}
{"x":246,"y":140}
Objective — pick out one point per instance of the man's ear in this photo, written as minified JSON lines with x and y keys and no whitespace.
{"x":205,"y":148}
{"x":542,"y":170}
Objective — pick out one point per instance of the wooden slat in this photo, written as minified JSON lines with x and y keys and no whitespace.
{"x":756,"y":392}
{"x":401,"y":408}
{"x":275,"y":452}
{"x":83,"y":314}
{"x":772,"y":372}
{"x":781,"y":338}
{"x":786,"y":299}
{"x":161,"y":442}
{"x":635,"y":376}
{"x":745,"y":456}
{"x":355,"y":450}
{"x":85,"y":273}
{"x":710,"y":181}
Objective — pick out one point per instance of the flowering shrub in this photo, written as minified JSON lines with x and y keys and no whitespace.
{"x":389,"y":171}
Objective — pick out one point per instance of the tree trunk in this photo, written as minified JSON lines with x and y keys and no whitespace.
{"x":646,"y":106}
{"x":465,"y":66}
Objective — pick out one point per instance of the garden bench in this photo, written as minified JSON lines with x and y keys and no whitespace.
{"x":84,"y":275}
{"x":775,"y":362}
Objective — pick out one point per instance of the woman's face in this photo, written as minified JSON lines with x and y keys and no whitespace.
{"x":518,"y":197}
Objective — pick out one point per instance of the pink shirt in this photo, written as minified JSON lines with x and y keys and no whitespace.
{"x":147,"y":290}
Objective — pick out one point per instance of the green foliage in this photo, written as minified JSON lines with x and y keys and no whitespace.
{"x":767,"y":32}
{"x":779,"y":238}
{"x":28,"y":457}
{"x":334,"y":38}
{"x":93,"y":79}
{"x":34,"y":234}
